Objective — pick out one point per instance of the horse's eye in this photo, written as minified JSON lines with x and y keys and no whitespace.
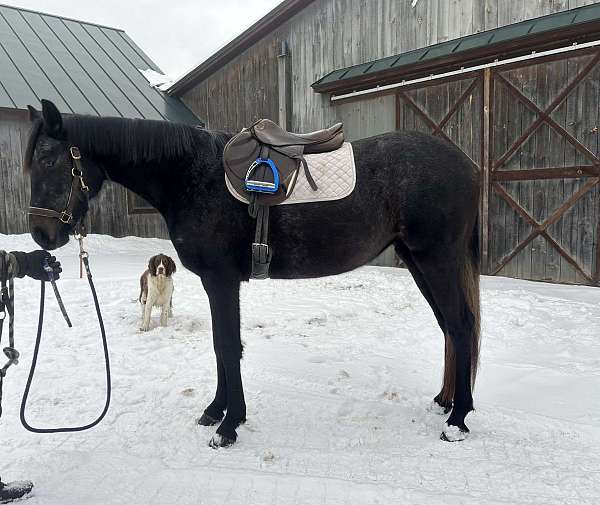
{"x":48,"y":163}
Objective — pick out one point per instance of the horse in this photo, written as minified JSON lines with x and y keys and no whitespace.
{"x":413,"y":191}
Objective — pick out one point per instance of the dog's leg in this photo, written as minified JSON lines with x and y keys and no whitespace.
{"x":146,"y":314}
{"x":164,"y":314}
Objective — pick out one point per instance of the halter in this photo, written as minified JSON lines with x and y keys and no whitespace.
{"x":66,"y":216}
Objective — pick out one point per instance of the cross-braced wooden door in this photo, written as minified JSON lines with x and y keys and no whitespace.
{"x":544,"y":170}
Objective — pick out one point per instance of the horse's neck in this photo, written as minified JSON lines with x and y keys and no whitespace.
{"x":151,"y":182}
{"x":147,"y":157}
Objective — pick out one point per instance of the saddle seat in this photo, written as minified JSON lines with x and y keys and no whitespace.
{"x":320,"y":141}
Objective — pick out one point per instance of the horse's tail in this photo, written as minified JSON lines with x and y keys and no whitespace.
{"x":470,"y":286}
{"x":469,"y":279}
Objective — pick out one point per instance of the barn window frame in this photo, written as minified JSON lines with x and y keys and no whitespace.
{"x":137,"y":205}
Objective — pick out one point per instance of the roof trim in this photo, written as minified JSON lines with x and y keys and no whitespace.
{"x":59,"y":17}
{"x":533,"y":39}
{"x":279,"y":15}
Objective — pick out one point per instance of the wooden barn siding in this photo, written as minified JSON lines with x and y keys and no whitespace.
{"x":14,"y":186}
{"x":108,"y":212}
{"x":332,"y":34}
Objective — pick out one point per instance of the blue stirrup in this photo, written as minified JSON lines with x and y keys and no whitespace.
{"x":258,"y":185}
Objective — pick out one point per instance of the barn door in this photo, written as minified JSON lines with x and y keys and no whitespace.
{"x":543,"y":169}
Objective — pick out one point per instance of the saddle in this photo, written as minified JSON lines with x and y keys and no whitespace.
{"x":262,"y":164}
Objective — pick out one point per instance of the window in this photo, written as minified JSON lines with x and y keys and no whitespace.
{"x":137,"y":205}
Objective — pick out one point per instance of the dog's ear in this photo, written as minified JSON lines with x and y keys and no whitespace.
{"x":171,"y":266}
{"x":152,"y":265}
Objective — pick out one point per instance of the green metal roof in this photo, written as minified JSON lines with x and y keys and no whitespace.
{"x":82,"y":67}
{"x":480,"y":41}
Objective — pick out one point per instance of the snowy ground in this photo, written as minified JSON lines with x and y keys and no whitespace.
{"x":338,"y":372}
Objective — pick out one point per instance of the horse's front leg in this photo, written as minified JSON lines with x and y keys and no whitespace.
{"x":224,"y":296}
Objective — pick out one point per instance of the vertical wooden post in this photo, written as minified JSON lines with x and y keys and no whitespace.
{"x":282,"y":85}
{"x":486,"y":168}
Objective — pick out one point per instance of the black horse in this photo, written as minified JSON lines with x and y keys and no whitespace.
{"x":413,"y":190}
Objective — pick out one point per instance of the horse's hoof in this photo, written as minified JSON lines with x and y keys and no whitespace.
{"x":453,"y":433}
{"x":207,"y":420}
{"x":218,"y":441}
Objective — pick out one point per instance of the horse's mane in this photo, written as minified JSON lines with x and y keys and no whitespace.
{"x":137,"y":140}
{"x":218,"y":139}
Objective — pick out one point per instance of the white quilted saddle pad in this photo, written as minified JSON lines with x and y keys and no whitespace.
{"x":334,"y":172}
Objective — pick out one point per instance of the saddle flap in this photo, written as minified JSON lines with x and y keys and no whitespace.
{"x":243,"y":149}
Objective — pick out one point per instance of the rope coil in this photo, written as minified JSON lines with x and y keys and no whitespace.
{"x":84,"y":257}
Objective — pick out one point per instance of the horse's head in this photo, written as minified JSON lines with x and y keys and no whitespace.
{"x":61,"y":184}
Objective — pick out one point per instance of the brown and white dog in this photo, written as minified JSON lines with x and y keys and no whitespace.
{"x":156,"y":289}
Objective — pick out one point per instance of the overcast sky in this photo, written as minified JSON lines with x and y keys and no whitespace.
{"x":176,"y":34}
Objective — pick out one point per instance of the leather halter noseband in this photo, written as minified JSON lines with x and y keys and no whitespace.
{"x":66,"y":216}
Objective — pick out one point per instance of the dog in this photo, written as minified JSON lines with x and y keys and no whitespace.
{"x":156,"y":289}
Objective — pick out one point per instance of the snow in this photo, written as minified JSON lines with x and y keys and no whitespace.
{"x":339,"y":373}
{"x":156,"y":79}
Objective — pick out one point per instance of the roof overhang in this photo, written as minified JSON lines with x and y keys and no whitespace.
{"x":556,"y":30}
{"x":279,"y":15}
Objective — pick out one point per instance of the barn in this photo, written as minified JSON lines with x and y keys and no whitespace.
{"x":85,"y":69}
{"x":515,"y":85}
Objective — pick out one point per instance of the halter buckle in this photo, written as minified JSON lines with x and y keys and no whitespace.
{"x":75,"y":153}
{"x":65,"y":217}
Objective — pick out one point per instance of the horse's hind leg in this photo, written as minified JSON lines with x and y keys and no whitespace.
{"x":453,"y":279}
{"x":445,"y":396}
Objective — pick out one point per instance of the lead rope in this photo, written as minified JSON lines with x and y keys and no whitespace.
{"x":83,"y":255}
{"x":7,"y":294}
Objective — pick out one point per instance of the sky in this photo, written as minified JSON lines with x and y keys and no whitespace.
{"x":177,"y":35}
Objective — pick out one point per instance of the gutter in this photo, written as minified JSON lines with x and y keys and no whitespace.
{"x":496,"y":63}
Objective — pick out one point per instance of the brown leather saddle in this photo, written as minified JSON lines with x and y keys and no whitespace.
{"x":262,"y":164}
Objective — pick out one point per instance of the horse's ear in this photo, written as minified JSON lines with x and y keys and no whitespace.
{"x":52,"y":118}
{"x":33,"y":113}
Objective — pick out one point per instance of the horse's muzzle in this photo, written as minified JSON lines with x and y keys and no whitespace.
{"x":48,"y":234}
